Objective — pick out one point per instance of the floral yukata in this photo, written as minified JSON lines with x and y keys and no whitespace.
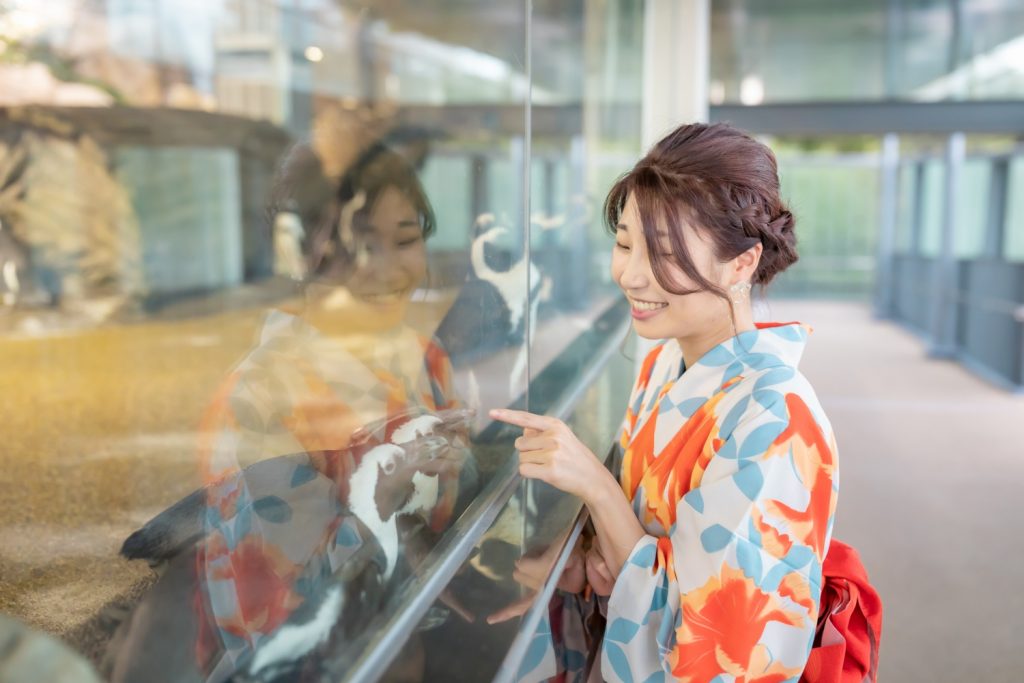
{"x":275,"y":534}
{"x":731,"y":469}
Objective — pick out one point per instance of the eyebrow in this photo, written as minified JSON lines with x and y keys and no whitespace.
{"x":622,"y":226}
{"x":370,"y":227}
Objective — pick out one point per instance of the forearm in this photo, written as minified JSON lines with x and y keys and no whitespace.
{"x":618,"y":529}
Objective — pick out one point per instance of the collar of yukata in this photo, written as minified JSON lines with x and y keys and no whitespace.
{"x":771,"y":344}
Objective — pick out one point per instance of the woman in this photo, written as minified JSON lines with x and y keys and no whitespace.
{"x":711,"y":541}
{"x":329,"y":404}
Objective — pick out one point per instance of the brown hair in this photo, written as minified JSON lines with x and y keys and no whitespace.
{"x":722,"y":182}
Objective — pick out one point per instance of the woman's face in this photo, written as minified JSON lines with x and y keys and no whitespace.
{"x":389,"y":262}
{"x":658,"y":314}
{"x":391,"y":255}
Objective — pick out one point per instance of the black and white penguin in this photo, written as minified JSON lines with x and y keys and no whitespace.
{"x":489,"y":313}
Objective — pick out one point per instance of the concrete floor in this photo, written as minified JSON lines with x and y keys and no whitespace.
{"x":932,"y":491}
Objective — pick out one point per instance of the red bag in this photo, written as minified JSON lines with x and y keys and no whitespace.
{"x":849,"y":623}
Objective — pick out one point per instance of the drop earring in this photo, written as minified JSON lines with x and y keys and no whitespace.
{"x":739,"y":291}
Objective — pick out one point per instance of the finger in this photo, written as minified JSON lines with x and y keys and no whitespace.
{"x":529,"y":568}
{"x":535,"y":457}
{"x":599,"y":583}
{"x":532,"y":432}
{"x":575,"y":560}
{"x":532,"y":470}
{"x":603,"y":571}
{"x":593,"y":561}
{"x":535,"y":443}
{"x":525,"y":579}
{"x":440,"y":466}
{"x":521,"y":418}
{"x":516,"y":609}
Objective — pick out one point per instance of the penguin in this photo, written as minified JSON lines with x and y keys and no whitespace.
{"x":381,"y":490}
{"x":489,"y":313}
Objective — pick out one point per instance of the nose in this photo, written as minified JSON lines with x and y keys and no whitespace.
{"x":636,"y":274}
{"x":376,"y":262}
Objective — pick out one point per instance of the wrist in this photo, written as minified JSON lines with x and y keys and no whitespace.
{"x":604,"y":487}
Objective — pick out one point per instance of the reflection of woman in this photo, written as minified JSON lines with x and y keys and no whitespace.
{"x":712,"y":539}
{"x":317,"y":380}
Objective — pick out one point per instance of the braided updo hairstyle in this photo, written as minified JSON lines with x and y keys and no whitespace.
{"x":718,"y":180}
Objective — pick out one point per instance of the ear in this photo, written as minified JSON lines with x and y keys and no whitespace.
{"x":744,"y":266}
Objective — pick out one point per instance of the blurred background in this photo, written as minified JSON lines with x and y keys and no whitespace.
{"x":141,"y":142}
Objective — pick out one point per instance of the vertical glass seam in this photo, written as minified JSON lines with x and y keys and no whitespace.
{"x":528,"y":321}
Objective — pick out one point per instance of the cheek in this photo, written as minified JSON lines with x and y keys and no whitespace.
{"x":618,"y":266}
{"x":692,"y":308}
{"x":414,"y":261}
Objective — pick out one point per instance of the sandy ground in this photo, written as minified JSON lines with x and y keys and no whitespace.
{"x":99,"y":435}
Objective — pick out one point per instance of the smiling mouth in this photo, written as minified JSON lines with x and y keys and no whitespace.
{"x":640,"y":305}
{"x":384,"y":298}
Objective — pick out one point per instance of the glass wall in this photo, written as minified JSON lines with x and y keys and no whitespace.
{"x":928,"y":50}
{"x":830,"y":185}
{"x":984,"y":224}
{"x":265,"y":266}
{"x":1014,"y":237}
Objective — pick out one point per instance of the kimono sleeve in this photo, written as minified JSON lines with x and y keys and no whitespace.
{"x":438,"y":367}
{"x":733,"y":589}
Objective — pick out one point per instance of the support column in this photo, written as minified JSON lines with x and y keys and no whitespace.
{"x":676,"y":65}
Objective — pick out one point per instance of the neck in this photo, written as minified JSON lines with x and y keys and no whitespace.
{"x":694,"y":346}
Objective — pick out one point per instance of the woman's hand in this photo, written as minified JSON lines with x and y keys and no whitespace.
{"x":532,"y":572}
{"x":549,"y":451}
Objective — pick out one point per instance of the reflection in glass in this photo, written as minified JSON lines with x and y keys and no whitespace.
{"x":333,"y":453}
{"x":264,"y":267}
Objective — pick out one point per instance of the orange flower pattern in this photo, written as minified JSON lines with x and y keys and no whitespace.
{"x":731,"y":468}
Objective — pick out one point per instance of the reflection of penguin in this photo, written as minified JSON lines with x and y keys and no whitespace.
{"x":13,"y":266}
{"x":178,"y":527}
{"x":490,"y":311}
{"x":380,"y":490}
{"x":385,"y":459}
{"x":288,"y":236}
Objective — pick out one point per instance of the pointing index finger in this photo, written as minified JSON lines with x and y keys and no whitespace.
{"x":521,"y":418}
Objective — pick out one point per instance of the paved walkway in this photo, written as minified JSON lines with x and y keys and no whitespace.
{"x":932,"y":494}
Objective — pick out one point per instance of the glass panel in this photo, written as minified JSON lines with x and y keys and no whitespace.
{"x":930,"y":50}
{"x":932,"y":205}
{"x":831,"y":187}
{"x":1013,"y":249}
{"x":264,"y":268}
{"x":973,"y":200}
{"x":256,"y":312}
